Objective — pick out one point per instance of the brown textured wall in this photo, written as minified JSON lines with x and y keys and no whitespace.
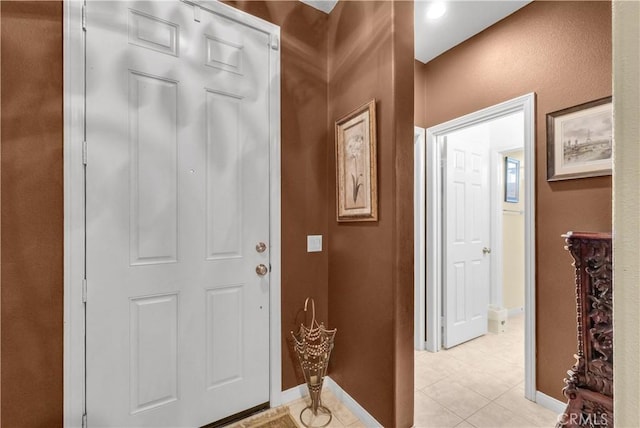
{"x":403,"y":234}
{"x":31,"y":196}
{"x":419,"y":99}
{"x":370,"y":263}
{"x":304,"y":162}
{"x":560,"y":50}
{"x":31,"y":216}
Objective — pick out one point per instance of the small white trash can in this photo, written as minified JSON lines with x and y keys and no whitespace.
{"x":497,"y":320}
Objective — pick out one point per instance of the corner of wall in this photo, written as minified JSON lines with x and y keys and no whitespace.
{"x":626,"y":295}
{"x":371,"y":264}
{"x":420,"y":94}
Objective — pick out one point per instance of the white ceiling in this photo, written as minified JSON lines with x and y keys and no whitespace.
{"x":324,"y":5}
{"x":462,"y":20}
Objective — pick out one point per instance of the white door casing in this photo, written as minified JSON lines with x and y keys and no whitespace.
{"x":434,"y":220}
{"x":419,"y":243}
{"x":178,"y":196}
{"x":467,"y":232}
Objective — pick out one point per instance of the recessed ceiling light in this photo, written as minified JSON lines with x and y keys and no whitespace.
{"x":436,"y":10}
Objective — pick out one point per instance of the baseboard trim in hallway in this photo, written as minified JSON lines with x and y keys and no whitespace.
{"x":365,"y":417}
{"x":349,"y":402}
{"x":550,"y":403}
{"x":293,"y":394}
{"x":514,"y":312}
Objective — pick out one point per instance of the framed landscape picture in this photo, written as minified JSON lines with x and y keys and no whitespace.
{"x":356,"y":174}
{"x":579,"y":141}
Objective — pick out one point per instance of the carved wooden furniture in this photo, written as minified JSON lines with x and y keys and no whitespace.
{"x":589,"y":385}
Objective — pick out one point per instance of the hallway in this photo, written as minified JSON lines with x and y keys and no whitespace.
{"x":477,"y":384}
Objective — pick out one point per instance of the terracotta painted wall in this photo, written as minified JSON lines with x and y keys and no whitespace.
{"x":304,"y":162}
{"x":32,"y":201}
{"x":560,"y":50}
{"x":420,"y":98}
{"x":370,"y":263}
{"x":31,"y":215}
{"x":32,"y":194}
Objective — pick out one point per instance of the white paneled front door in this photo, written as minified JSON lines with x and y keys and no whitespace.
{"x":177,"y":129}
{"x":466,"y":236}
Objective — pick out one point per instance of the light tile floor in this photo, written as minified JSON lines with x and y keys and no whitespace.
{"x":477,"y":384}
{"x":342,"y":417}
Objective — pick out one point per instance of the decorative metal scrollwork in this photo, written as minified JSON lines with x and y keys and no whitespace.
{"x":313,"y":346}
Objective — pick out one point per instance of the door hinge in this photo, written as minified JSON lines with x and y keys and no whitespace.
{"x":274,"y":42}
{"x":84,"y":421}
{"x":84,"y":290}
{"x":84,"y":17}
{"x":84,"y":152}
{"x":196,"y":13}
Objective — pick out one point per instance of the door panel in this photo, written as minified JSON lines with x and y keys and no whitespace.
{"x":224,"y":182}
{"x":153,"y":168}
{"x":177,"y":199}
{"x":467,"y":231}
{"x":154,"y":351}
{"x":224,"y":331}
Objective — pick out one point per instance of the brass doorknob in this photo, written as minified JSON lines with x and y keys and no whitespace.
{"x":261,"y":269}
{"x":486,"y":250}
{"x":261,"y":247}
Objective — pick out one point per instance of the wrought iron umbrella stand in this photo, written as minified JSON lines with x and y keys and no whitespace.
{"x":313,"y":346}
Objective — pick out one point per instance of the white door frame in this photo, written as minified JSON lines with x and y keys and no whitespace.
{"x":419,"y":223}
{"x":526,"y":104}
{"x":74,"y":203}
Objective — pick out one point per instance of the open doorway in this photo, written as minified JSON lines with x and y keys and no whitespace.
{"x":476,"y":205}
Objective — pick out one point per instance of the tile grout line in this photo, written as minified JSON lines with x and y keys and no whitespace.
{"x":481,"y":348}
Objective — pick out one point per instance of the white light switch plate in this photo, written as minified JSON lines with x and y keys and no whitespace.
{"x":314,"y":243}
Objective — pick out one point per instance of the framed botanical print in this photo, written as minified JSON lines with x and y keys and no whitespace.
{"x":356,"y":173}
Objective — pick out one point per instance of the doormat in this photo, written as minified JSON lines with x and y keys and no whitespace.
{"x":274,"y":418}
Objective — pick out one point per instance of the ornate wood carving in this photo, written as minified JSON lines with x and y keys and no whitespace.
{"x":589,"y":383}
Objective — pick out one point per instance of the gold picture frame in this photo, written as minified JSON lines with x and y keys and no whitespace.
{"x":356,"y":165}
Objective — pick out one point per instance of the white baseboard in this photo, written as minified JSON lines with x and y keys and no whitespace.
{"x":293,"y":394}
{"x":550,"y":403}
{"x":515,"y":311}
{"x":300,"y":391}
{"x":351,"y":404}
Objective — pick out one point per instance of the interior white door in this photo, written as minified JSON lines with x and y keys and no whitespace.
{"x":177,"y":182}
{"x":466,"y":235}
